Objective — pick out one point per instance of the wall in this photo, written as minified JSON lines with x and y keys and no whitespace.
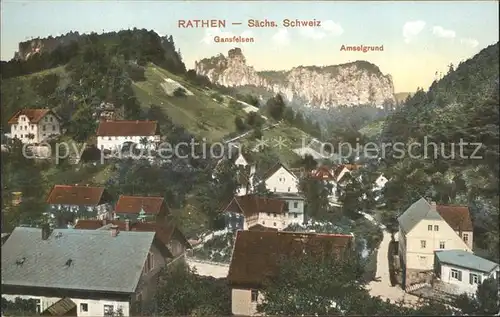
{"x":45,"y":127}
{"x":292,"y":211}
{"x":423,"y":258}
{"x":102,"y":211}
{"x":241,"y":302}
{"x":464,"y":285}
{"x":268,"y":220}
{"x":95,"y":307}
{"x":282,"y":182}
{"x":115,"y":142}
{"x":470,"y":238}
{"x":146,"y":288}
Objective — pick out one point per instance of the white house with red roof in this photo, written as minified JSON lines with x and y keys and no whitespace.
{"x":34,"y":125}
{"x":113,"y":135}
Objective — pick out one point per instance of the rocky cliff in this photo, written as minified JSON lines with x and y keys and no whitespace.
{"x":357,"y":83}
{"x":45,"y":45}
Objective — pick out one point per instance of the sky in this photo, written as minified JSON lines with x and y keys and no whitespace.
{"x":419,"y":38}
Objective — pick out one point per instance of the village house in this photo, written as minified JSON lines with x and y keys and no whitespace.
{"x":141,"y":208}
{"x":462,"y":271}
{"x":257,"y":254}
{"x":425,"y":228}
{"x":113,"y":135}
{"x":167,"y":233}
{"x":243,"y":212}
{"x":82,"y":200}
{"x":98,"y":271}
{"x":34,"y":125}
{"x":279,"y":179}
{"x":344,"y":169}
{"x":327,"y":176}
{"x":294,"y":206}
{"x":245,"y":168}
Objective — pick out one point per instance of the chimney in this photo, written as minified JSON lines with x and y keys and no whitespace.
{"x":45,"y":231}
{"x":114,"y":230}
{"x":127,"y":224}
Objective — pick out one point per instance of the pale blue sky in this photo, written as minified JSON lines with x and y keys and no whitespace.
{"x":466,"y":28}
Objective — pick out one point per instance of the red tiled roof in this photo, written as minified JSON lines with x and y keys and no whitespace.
{"x":323,"y":173}
{"x":75,"y":195}
{"x":458,"y":217}
{"x":250,"y":205}
{"x":34,"y":115}
{"x":133,"y":204}
{"x":164,"y":232}
{"x":127,"y":128}
{"x":257,"y":254}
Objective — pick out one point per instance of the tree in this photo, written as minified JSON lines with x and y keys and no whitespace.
{"x":307,"y":162}
{"x":240,"y":125}
{"x":276,"y":107}
{"x":316,"y":196}
{"x":183,"y":293}
{"x":314,"y":285}
{"x":486,"y":301}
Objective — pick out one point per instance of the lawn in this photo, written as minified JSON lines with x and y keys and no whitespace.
{"x":199,"y":113}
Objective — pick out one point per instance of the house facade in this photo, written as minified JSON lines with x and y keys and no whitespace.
{"x":463,"y":271}
{"x":243,"y":212}
{"x":256,"y":257}
{"x":82,"y":200}
{"x":246,"y":169}
{"x":112,"y":135}
{"x":279,"y":179}
{"x":95,"y":284}
{"x":294,"y":208}
{"x":33,"y":126}
{"x":141,"y":208}
{"x":422,"y":230}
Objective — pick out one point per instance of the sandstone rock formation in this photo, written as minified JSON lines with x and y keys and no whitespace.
{"x":356,"y":83}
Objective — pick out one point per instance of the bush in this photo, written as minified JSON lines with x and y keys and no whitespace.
{"x":180,"y":92}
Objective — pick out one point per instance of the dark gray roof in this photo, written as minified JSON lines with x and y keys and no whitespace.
{"x":419,"y":210}
{"x":466,"y":260}
{"x":99,"y":261}
{"x":291,"y":196}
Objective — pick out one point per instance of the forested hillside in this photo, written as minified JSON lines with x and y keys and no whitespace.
{"x":462,"y":106}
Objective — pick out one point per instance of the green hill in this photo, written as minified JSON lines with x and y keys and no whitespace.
{"x":461,"y":108}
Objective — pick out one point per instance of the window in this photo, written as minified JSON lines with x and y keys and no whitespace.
{"x":288,"y":189}
{"x":465,"y":237}
{"x":274,"y":224}
{"x":436,"y":228}
{"x":263,"y":222}
{"x":108,"y":310}
{"x":38,"y":306}
{"x":255,"y":295}
{"x":53,"y":128}
{"x":274,"y":215}
{"x":295,"y":205}
{"x":441,"y":244}
{"x":474,"y":278}
{"x":269,"y":214}
{"x":295,"y":215}
{"x":84,"y":307}
{"x":274,"y":189}
{"x":50,"y":119}
{"x":456,"y":274}
{"x":109,"y":138}
{"x":429,"y":227}
{"x":44,"y":127}
{"x":423,"y":244}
